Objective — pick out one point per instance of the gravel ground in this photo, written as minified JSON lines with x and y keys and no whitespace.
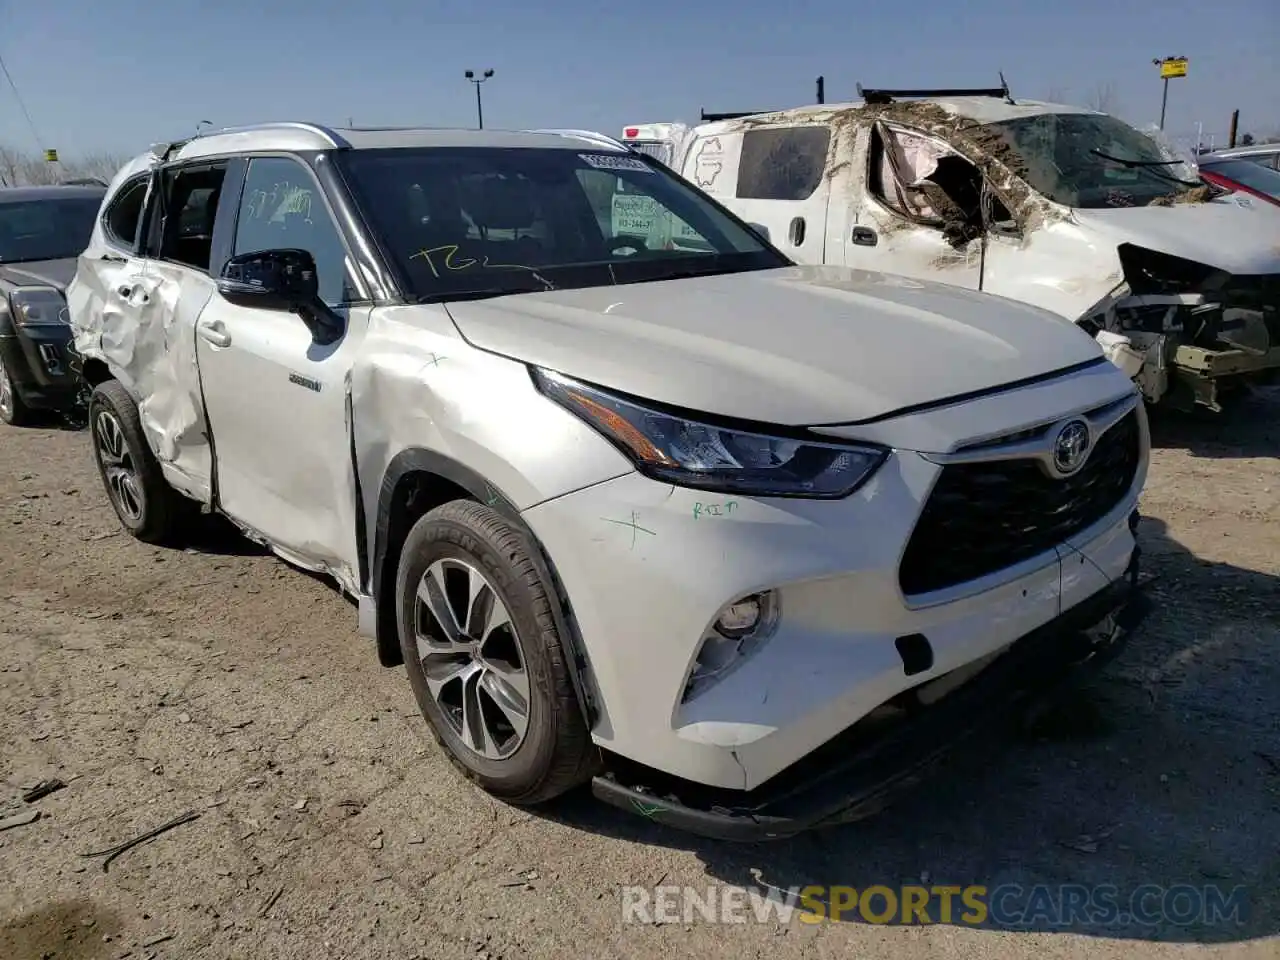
{"x":219,"y":680}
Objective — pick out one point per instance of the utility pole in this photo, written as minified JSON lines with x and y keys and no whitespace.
{"x":471,"y":75}
{"x":1170,"y":68}
{"x":822,"y":85}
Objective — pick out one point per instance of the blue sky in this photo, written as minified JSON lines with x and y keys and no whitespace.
{"x":117,"y":75}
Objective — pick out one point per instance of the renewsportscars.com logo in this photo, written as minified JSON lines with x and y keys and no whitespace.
{"x":1067,"y":906}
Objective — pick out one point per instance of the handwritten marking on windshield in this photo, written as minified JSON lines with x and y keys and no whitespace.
{"x":450,"y":250}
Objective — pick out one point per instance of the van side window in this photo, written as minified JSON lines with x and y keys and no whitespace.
{"x":783,"y":163}
{"x":123,"y":214}
{"x":922,"y":180}
{"x":188,"y":224}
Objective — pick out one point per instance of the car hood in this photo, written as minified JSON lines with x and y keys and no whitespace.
{"x":793,"y":346}
{"x":1222,"y":233}
{"x":51,"y":273}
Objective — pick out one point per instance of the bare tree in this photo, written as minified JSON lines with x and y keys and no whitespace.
{"x":1056,"y":94}
{"x":1103,"y":98}
{"x":18,"y":169}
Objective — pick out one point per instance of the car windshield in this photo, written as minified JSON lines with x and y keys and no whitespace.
{"x":472,"y":222}
{"x":1092,"y":160}
{"x":46,"y":229}
{"x":1248,"y":174}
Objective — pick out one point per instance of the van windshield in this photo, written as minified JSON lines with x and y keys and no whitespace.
{"x":470,"y":222}
{"x":1093,"y":160}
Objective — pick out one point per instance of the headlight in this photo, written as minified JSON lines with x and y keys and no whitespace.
{"x":38,"y":307}
{"x":693,"y":453}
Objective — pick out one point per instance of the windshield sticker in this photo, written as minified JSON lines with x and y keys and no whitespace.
{"x":608,"y":161}
{"x":444,"y":257}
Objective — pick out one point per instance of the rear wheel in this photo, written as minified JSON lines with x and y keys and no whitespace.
{"x":147,"y":506}
{"x":484,"y":656}
{"x":12,"y":410}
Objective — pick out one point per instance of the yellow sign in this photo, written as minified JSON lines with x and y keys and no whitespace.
{"x":1173,"y":67}
{"x":51,"y":156}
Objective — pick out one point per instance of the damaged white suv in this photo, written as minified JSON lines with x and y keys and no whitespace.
{"x":741,"y":542}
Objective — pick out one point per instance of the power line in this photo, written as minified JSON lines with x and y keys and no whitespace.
{"x":18,"y":96}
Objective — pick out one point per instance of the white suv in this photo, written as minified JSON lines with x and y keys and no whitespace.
{"x":741,"y":542}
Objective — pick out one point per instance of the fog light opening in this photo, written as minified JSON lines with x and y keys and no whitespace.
{"x":736,"y":633}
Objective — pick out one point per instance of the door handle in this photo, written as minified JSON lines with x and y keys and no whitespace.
{"x":796,"y":232}
{"x":864,"y":237}
{"x":214,"y":334}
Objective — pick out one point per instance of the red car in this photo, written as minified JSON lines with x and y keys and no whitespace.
{"x":1236,"y":173}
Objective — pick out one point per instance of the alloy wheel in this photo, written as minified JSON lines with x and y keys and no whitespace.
{"x":6,"y":392}
{"x":471,"y":658}
{"x":120,"y":471}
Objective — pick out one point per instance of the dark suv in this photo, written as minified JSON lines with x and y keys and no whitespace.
{"x":42,"y":232}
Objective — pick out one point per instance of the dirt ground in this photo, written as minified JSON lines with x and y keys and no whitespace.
{"x":221,"y":681}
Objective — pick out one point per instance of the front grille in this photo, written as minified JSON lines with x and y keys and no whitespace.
{"x":983,"y":517}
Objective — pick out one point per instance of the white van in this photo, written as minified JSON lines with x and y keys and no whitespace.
{"x":1061,"y":207}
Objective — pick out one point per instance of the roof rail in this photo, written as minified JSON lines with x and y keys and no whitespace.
{"x":328,"y":133}
{"x":713,"y":117}
{"x":888,"y":96}
{"x":589,"y":135}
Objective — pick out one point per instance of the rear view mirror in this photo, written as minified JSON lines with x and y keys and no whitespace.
{"x":283,"y":279}
{"x":270,"y":280}
{"x":761,"y":229}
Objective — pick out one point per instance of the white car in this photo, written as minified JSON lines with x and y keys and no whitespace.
{"x":1057,"y":206}
{"x":706,"y":528}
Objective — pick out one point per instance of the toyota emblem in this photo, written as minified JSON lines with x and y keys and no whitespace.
{"x":1071,"y":447}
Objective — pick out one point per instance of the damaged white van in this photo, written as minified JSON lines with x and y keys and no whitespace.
{"x":1064,"y":208}
{"x":744,"y":544}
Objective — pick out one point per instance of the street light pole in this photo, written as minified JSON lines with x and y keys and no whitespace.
{"x":471,"y":75}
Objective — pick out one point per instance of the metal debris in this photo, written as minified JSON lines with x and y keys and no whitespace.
{"x":43,"y":789}
{"x":270,"y":901}
{"x":113,"y":852}
{"x":20,"y":819}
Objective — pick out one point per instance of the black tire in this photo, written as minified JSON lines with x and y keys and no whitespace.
{"x":556,"y":753}
{"x":13,"y":410}
{"x":150,"y":509}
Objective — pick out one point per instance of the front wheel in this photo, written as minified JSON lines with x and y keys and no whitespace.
{"x":12,"y":410}
{"x":147,"y":506}
{"x":484,"y":657}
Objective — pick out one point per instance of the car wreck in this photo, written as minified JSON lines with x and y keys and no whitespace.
{"x":860,"y":515}
{"x":42,"y":231}
{"x":1065,"y":208}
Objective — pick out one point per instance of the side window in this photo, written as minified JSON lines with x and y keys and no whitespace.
{"x":923,"y":180}
{"x":783,"y":163}
{"x":281,"y":207}
{"x":124,"y":213}
{"x":192,"y":204}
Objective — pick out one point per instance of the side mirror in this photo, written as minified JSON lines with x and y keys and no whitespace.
{"x":283,"y":279}
{"x":761,"y":229}
{"x":270,"y":280}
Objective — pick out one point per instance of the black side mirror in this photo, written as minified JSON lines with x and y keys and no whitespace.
{"x":283,"y":279}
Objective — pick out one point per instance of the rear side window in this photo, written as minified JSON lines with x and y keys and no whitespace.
{"x":124,"y":213}
{"x":193,"y":195}
{"x":782,"y":163}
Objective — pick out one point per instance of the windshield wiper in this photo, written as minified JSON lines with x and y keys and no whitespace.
{"x":1152,"y":165}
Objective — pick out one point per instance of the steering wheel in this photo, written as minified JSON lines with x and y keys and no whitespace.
{"x":626,"y":243}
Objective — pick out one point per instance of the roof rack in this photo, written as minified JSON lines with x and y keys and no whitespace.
{"x":888,"y":96}
{"x":589,"y":135}
{"x":713,"y":117}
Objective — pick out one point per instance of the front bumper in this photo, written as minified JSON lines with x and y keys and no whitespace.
{"x":38,"y":359}
{"x":855,"y":775}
